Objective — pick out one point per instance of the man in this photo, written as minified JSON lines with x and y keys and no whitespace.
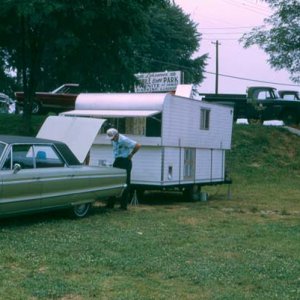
{"x":123,"y":151}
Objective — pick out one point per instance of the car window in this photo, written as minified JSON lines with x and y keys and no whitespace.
{"x":23,"y":155}
{"x":263,"y":95}
{"x":47,"y":157}
{"x":33,"y":156}
{"x":7,"y":163}
{"x":2,"y":147}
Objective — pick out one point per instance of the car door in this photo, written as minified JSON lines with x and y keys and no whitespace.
{"x":60,"y":184}
{"x":21,"y":188}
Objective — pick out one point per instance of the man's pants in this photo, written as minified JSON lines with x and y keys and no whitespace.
{"x":126,"y":164}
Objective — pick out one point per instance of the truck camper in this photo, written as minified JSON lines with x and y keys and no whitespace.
{"x":184,"y":140}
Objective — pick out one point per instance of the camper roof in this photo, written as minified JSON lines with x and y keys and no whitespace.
{"x":121,"y":101}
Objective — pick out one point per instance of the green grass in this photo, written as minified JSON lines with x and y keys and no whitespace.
{"x":165,"y":248}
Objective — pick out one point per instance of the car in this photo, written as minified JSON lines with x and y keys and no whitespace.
{"x":59,"y":100}
{"x":38,"y":174}
{"x":6,"y":104}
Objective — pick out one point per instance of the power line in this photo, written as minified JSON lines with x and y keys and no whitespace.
{"x":252,"y":9}
{"x":223,"y":33}
{"x":221,"y":28}
{"x":213,"y":73}
{"x":256,"y":6}
{"x":254,"y":80}
{"x":220,"y":39}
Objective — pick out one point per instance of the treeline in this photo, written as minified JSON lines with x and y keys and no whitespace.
{"x":99,"y":44}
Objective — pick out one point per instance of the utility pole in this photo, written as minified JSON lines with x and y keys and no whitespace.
{"x":217,"y":66}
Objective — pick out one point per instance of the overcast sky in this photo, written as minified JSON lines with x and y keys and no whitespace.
{"x":225,"y":21}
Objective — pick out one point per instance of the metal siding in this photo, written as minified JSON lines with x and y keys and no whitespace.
{"x":147,"y":166}
{"x":217,"y":165}
{"x":203,"y":165}
{"x":172,"y":159}
{"x":181,"y":124}
{"x":146,"y":163}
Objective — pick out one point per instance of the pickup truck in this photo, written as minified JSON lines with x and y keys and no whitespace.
{"x":259,"y":104}
{"x":59,"y":100}
{"x":289,"y":95}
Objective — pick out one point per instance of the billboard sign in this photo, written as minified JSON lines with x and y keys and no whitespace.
{"x":157,"y":82}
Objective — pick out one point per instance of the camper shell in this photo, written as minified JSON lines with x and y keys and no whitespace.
{"x":184,"y":140}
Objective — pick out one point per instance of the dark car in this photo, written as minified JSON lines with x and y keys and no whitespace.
{"x":58,"y":100}
{"x":39,"y":174}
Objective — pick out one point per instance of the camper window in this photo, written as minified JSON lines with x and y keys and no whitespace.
{"x":135,"y":126}
{"x":118,"y":123}
{"x":204,"y":118}
{"x":153,"y":126}
{"x":150,"y":126}
{"x":189,"y":163}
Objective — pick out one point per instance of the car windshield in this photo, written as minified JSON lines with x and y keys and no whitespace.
{"x":2,"y":147}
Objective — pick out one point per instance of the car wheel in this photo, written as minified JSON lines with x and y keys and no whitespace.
{"x":81,"y":210}
{"x":290,"y":118}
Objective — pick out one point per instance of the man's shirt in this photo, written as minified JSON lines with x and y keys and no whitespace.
{"x":123,"y":147}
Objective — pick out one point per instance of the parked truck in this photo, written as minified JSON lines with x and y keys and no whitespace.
{"x":289,"y":95}
{"x":259,"y":104}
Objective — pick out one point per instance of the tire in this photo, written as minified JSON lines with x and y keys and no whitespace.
{"x":289,"y":118}
{"x":81,"y":210}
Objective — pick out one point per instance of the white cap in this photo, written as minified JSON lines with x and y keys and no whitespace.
{"x":111,"y":133}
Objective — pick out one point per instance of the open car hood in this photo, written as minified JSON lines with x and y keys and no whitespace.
{"x":77,"y":132}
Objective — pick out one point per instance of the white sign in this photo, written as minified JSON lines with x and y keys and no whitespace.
{"x":157,"y":82}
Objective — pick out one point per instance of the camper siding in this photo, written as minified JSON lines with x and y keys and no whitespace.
{"x":203,"y":165}
{"x":147,"y":166}
{"x":101,"y":155}
{"x":147,"y":163}
{"x":181,"y":124}
{"x":221,"y":122}
{"x":218,"y":162}
{"x":171,"y":168}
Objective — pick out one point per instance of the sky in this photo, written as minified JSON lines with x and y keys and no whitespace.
{"x":226,"y":21}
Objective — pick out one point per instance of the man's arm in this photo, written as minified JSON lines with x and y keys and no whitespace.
{"x":134,"y":150}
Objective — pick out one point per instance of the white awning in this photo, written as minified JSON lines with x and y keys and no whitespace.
{"x":111,"y":113}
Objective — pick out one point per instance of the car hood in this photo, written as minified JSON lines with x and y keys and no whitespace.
{"x":77,"y":132}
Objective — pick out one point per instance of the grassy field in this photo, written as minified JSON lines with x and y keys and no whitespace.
{"x":165,"y":248}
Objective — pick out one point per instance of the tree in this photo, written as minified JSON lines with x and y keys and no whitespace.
{"x":37,"y":36}
{"x":169,"y":43}
{"x":118,"y":45}
{"x":279,"y":37}
{"x":27,"y":28}
{"x":99,"y":44}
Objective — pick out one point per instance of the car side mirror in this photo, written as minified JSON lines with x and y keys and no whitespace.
{"x":17,"y":168}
